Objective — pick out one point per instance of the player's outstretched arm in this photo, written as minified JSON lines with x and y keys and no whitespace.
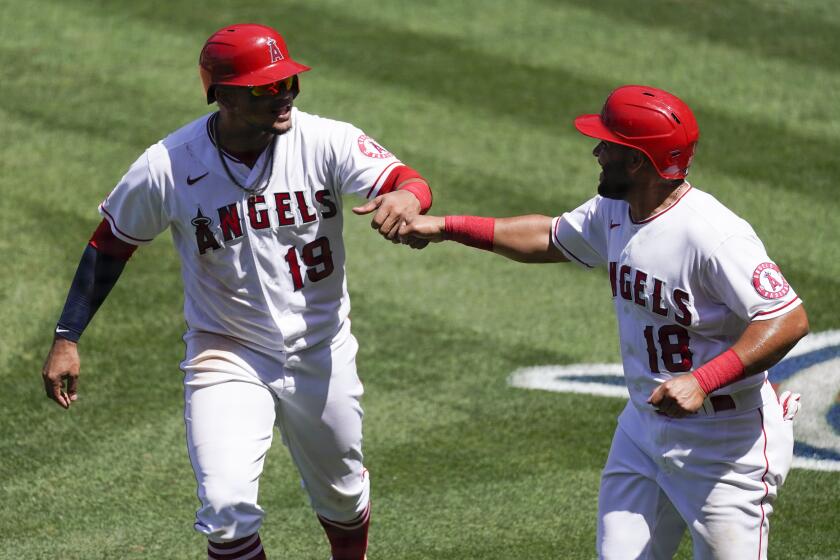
{"x":101,"y":264}
{"x":761,"y":346}
{"x":521,"y":238}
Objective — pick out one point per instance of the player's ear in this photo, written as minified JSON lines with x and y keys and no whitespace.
{"x":636,"y":161}
{"x":225,"y":97}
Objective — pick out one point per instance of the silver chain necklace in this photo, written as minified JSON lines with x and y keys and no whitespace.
{"x":268,"y":163}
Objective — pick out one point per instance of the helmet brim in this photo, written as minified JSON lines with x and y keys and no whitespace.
{"x":270,"y":74}
{"x":591,"y":125}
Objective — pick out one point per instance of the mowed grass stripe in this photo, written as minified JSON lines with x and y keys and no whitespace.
{"x":770,"y":172}
{"x":804,"y":523}
{"x":122,"y":384}
{"x":143,"y":503}
{"x":348,"y":25}
{"x":801,"y":33}
{"x":760,"y":29}
{"x":481,"y":520}
{"x":130,"y":478}
{"x":793,"y":144}
{"x":581,"y":40}
{"x":480,"y":295}
{"x":559,"y":90}
{"x":145,"y":303}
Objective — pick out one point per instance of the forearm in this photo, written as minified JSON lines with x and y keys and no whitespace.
{"x":764,"y":343}
{"x":761,"y":346}
{"x":96,"y":275}
{"x":525,"y":239}
{"x":522,"y":238}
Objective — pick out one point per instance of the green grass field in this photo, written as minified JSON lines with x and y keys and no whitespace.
{"x":477,"y":95}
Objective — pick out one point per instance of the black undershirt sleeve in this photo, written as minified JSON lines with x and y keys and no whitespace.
{"x":96,"y":275}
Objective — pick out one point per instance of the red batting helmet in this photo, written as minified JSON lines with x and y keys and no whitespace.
{"x":245,"y":54}
{"x":651,"y":120}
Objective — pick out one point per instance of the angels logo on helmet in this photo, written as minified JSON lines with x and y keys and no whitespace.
{"x":274,"y":51}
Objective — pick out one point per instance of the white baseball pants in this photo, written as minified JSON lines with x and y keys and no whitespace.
{"x":716,"y":473}
{"x":235,"y":396}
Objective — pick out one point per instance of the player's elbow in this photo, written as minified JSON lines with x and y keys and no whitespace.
{"x":800,"y":326}
{"x":524,"y":253}
{"x":792,"y":328}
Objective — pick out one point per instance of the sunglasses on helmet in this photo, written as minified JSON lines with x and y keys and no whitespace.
{"x":274,"y":88}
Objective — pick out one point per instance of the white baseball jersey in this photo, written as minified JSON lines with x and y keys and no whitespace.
{"x":685,"y":282}
{"x":267,"y":269}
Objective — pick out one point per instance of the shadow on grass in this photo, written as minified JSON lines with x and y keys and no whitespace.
{"x":750,"y":27}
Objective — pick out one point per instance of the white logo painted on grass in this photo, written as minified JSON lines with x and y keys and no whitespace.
{"x":812,"y":368}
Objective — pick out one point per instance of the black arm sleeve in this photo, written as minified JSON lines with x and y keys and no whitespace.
{"x":96,"y":275}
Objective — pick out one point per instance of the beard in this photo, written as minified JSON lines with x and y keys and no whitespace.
{"x":615,"y":184}
{"x":274,"y":132}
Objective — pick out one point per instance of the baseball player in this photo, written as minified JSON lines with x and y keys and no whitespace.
{"x":702,"y":313}
{"x":252,"y":194}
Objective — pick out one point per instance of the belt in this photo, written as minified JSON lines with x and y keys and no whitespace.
{"x":722,"y":402}
{"x":741,"y":401}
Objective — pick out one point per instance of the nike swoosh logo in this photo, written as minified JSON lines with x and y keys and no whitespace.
{"x":191,"y":181}
{"x":59,"y":330}
{"x":613,"y":225}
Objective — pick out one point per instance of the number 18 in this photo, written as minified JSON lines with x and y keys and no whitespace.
{"x":674,"y":343}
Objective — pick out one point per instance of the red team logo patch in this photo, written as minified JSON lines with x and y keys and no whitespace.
{"x":769,"y":282}
{"x":370,"y":148}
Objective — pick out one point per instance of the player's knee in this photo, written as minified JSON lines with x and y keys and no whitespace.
{"x":622,"y":535}
{"x":232,"y":521}
{"x":344,"y":501}
{"x":229,"y":511}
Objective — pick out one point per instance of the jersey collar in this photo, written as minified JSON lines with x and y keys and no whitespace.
{"x":661,"y":212}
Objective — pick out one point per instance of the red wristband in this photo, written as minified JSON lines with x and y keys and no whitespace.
{"x":422,"y":192}
{"x":470,"y":230}
{"x":722,"y":370}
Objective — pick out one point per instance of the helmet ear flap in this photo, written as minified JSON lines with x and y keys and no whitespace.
{"x":207,"y":82}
